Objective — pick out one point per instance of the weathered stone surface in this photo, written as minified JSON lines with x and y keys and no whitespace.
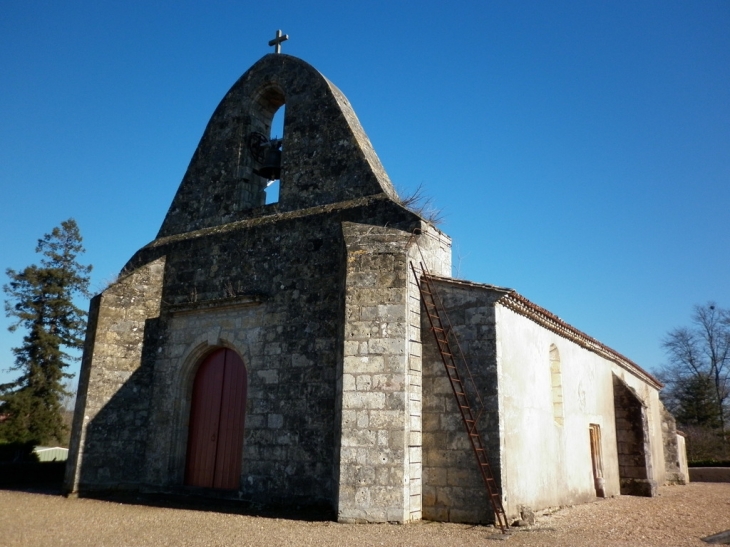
{"x":314,"y":294}
{"x":675,"y":472}
{"x":348,"y":405}
{"x":456,"y":491}
{"x":328,"y":157}
{"x":111,"y":418}
{"x":634,"y":452}
{"x":380,"y":380}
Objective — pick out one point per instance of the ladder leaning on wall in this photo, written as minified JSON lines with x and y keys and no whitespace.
{"x":441,"y":329}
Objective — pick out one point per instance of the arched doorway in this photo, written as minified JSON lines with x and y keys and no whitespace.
{"x":217,"y":413}
{"x":633,"y":438}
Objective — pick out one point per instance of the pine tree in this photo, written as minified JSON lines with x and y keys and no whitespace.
{"x":695,"y":397}
{"x":40,"y":298}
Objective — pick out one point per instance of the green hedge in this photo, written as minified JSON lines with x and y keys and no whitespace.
{"x":48,"y":474}
{"x":17,"y":453}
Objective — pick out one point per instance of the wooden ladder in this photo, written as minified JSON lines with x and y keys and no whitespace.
{"x":441,"y":329}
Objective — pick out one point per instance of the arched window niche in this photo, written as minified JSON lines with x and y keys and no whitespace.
{"x":556,"y":381}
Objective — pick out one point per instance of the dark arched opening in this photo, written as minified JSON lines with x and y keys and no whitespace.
{"x":276,"y":134}
{"x":632,"y":434}
{"x":266,"y":144}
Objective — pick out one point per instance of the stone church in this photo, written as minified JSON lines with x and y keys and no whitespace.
{"x":280,"y":353}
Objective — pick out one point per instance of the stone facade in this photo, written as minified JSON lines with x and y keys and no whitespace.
{"x":674,"y":452}
{"x":454,"y":490}
{"x":633,"y":436}
{"x":380,"y":443}
{"x":314,"y":293}
{"x":111,"y":421}
{"x":348,"y":407}
{"x":540,"y":386}
{"x":328,"y":157}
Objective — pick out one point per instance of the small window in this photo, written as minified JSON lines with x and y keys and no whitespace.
{"x":557,"y":385}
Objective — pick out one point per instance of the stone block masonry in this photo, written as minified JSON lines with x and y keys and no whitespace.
{"x":675,"y":471}
{"x":345,"y":406}
{"x":271,"y":283}
{"x":380,"y":434}
{"x":632,"y":434}
{"x":286,"y":327}
{"x":112,"y":408}
{"x":453,"y":489}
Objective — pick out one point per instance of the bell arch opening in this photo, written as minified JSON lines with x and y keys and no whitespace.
{"x":265,"y":142}
{"x":276,"y":134}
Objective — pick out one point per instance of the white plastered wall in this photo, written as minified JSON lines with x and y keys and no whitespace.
{"x":545,"y":464}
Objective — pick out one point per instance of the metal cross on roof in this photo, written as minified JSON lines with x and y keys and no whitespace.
{"x":276,"y":42}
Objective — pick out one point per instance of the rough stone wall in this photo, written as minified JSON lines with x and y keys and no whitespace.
{"x":453,"y":489}
{"x":374,"y":457}
{"x":682,"y":453}
{"x":272,"y":289}
{"x":272,"y":283}
{"x":431,"y":248}
{"x":327,"y":158}
{"x":289,"y":415}
{"x":294,"y":265}
{"x":108,"y":438}
{"x":672,"y":459}
{"x":632,"y":434}
{"x":380,"y":440}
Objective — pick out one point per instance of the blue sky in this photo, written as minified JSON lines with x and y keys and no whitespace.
{"x":580,"y":151}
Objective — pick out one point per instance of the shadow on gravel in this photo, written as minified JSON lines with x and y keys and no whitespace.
{"x":34,"y":477}
{"x":723,"y":538}
{"x":199,"y":503}
{"x":177,"y":501}
{"x":47,"y":478}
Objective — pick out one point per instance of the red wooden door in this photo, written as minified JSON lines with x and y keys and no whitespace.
{"x":217,"y":413}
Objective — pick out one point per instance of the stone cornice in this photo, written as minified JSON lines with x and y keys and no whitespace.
{"x":273,"y":216}
{"x":217,"y":304}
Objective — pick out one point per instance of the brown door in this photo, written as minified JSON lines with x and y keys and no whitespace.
{"x":217,"y":413}
{"x":597,"y":460}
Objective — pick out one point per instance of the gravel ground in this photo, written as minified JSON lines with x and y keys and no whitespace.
{"x":680,"y":515}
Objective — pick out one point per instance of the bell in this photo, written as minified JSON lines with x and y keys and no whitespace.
{"x":271,"y":168}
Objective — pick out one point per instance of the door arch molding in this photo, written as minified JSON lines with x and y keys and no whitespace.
{"x":182,"y":388}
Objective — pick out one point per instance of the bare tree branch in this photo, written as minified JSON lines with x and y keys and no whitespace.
{"x":421,"y":204}
{"x":699,"y":363}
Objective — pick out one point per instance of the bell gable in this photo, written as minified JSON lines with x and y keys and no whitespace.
{"x":326,"y":155}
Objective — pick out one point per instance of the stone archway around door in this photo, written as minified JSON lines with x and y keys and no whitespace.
{"x":632,"y":435}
